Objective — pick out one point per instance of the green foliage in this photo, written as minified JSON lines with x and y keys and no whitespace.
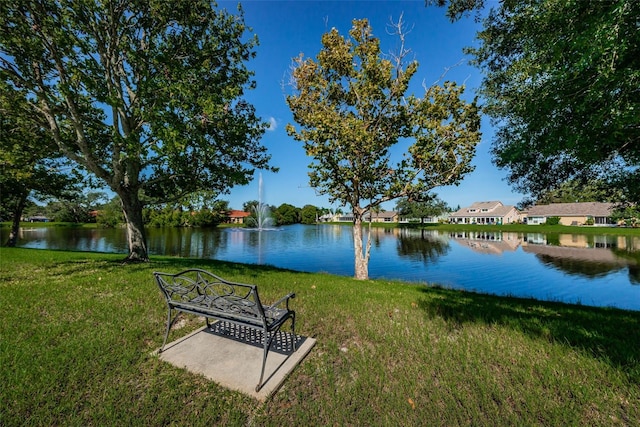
{"x":562,"y":84}
{"x":456,"y":9}
{"x":432,"y":207}
{"x":75,"y":208}
{"x":148,"y":96}
{"x":167,"y":216}
{"x":207,"y":218}
{"x":629,"y":216}
{"x":575,"y":191}
{"x":352,"y":109}
{"x":552,"y":220}
{"x":110,"y":214}
{"x":30,"y":163}
{"x":286,"y":214}
{"x":309,"y":214}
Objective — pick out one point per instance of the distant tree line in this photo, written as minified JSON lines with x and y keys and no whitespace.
{"x":94,"y":207}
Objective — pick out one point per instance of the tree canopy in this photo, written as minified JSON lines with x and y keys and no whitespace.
{"x":562,"y":83}
{"x":146,"y":95}
{"x":433,"y":207}
{"x":30,"y":164}
{"x":352,"y":108}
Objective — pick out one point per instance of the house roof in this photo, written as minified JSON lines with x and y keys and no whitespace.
{"x":238,"y":214}
{"x":486,"y":205}
{"x":494,"y":208}
{"x":596,"y":209}
{"x":386,"y":214}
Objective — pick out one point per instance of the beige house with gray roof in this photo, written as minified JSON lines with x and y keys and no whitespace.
{"x":493,"y":212}
{"x":592,"y":213}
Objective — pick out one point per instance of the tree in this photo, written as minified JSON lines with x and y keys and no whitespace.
{"x":575,"y":191}
{"x":456,"y":9}
{"x":151,"y":94}
{"x":429,"y":208}
{"x":561,"y":83}
{"x":286,"y":214}
{"x":352,"y":108}
{"x":75,"y":207}
{"x":309,"y":214}
{"x":29,"y":163}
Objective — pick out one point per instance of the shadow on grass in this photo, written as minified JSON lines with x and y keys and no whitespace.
{"x":609,"y":334}
{"x":221,"y":268}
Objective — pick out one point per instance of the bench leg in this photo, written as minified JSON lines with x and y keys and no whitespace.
{"x":267,"y":344}
{"x":293,"y":330}
{"x":169,"y":324}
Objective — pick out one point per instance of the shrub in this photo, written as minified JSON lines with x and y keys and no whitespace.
{"x":553,"y":220}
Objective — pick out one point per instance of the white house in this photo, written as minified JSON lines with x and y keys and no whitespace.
{"x":493,"y":212}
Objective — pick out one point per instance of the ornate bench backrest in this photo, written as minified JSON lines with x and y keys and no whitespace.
{"x":201,"y":289}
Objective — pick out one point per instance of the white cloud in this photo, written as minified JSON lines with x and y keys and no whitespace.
{"x":273,"y":124}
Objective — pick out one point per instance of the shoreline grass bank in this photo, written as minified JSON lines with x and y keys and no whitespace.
{"x":79,"y":329}
{"x":510,"y":228}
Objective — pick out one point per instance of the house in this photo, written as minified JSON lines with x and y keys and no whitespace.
{"x":326,"y":218}
{"x":390,"y":216}
{"x":38,"y":218}
{"x":493,"y":212}
{"x":427,"y":219}
{"x":337,"y":217}
{"x":591,"y":213}
{"x":387,"y":216}
{"x":237,"y":217}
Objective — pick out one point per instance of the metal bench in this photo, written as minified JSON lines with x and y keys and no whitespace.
{"x":204,"y":294}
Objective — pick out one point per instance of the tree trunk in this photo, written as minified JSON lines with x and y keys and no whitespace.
{"x":361,"y":257}
{"x":15,"y":224}
{"x":132,"y":210}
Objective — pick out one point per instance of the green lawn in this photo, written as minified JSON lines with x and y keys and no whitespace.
{"x":78,"y":330}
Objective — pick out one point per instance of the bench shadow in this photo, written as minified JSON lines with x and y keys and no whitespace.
{"x":608,"y":334}
{"x":282,"y":343}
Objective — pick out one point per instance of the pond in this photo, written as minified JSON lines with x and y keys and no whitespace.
{"x":598,"y":270}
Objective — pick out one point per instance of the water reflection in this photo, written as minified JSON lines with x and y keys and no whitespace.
{"x":422,"y":245}
{"x":488,"y":242}
{"x":586,"y":255}
{"x":592,"y":269}
{"x":591,"y":256}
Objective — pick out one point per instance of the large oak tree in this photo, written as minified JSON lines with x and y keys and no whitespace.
{"x":352,"y":109}
{"x":151,"y":92}
{"x":562,"y":83}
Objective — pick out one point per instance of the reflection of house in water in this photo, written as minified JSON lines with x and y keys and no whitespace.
{"x":576,"y":253}
{"x":630,"y":243}
{"x":488,"y":242}
{"x":586,"y":255}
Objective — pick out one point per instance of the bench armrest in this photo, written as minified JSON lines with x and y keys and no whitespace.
{"x":283,"y":299}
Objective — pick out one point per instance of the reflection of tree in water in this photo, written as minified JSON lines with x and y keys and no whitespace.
{"x":422,"y":246}
{"x":634,"y":263}
{"x":579,"y":267}
{"x":185,"y":242}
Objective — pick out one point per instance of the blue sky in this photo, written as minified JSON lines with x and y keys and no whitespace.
{"x":287,"y":28}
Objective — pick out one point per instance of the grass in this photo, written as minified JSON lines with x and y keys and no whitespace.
{"x":78,"y":330}
{"x":512,"y":228}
